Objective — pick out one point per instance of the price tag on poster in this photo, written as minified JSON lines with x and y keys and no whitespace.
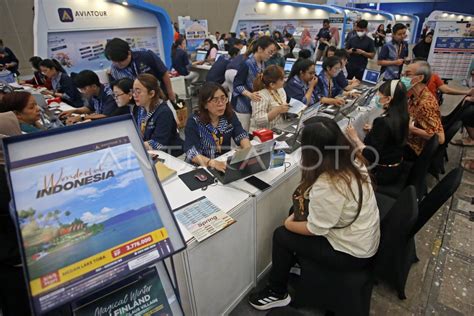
{"x":452,"y":50}
{"x":196,"y":32}
{"x":89,"y":209}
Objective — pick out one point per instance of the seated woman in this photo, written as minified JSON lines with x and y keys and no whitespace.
{"x":267,"y":113}
{"x":123,"y":95}
{"x":211,"y":50}
{"x":329,"y":52}
{"x":341,"y":230}
{"x":38,"y":80}
{"x":154,"y":117}
{"x":28,"y":113}
{"x":384,"y":144}
{"x":341,"y":77}
{"x":180,"y":61}
{"x":302,"y":81}
{"x":209,"y":132}
{"x":63,"y":86}
{"x":328,"y":90}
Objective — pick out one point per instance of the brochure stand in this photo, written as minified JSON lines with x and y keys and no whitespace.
{"x":90,"y":213}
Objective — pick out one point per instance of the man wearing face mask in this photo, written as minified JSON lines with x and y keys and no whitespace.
{"x":360,"y":49}
{"x":425,"y":117}
{"x":393,"y":54}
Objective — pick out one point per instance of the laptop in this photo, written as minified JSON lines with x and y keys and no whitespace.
{"x":319,"y":67}
{"x":201,"y":55}
{"x":221,"y":53}
{"x":292,"y":139}
{"x":289,"y":62}
{"x":246,"y":162}
{"x":371,"y":77}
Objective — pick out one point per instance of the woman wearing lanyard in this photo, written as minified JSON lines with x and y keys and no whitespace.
{"x":327,"y":89}
{"x":267,"y":113}
{"x":302,"y":81}
{"x":209,"y":131}
{"x":153,"y":116}
{"x":63,"y":86}
{"x":385,"y":142}
{"x":243,"y":93}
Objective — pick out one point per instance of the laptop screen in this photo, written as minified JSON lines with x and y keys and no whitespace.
{"x":201,"y":55}
{"x":289,"y":64}
{"x":221,"y":53}
{"x":319,"y":67}
{"x":371,"y":76}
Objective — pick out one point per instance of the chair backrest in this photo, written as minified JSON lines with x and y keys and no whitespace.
{"x":179,"y":86}
{"x":455,"y":114}
{"x":437,"y":197}
{"x":229,"y":80}
{"x":417,"y":176}
{"x":396,"y":228}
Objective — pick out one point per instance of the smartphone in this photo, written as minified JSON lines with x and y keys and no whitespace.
{"x":256,"y":182}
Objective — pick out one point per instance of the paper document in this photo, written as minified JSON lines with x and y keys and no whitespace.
{"x":202,"y":218}
{"x":296,"y":106}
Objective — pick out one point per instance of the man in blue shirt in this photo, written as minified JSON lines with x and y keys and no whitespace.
{"x":129,"y":64}
{"x":323,"y":37}
{"x":394,"y":53}
{"x":101,"y":101}
{"x":360,"y":49}
{"x":217,"y":71}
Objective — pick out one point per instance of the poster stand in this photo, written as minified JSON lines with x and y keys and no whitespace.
{"x":79,"y":231}
{"x":452,"y":50}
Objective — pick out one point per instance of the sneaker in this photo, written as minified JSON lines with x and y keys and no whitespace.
{"x":266,"y":299}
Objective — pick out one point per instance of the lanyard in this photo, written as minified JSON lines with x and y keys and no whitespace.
{"x":330,"y":88}
{"x":218,"y":139}
{"x":400,"y":48}
{"x":276,"y":97}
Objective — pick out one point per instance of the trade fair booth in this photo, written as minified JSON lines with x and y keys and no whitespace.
{"x":452,"y":50}
{"x":75,"y":32}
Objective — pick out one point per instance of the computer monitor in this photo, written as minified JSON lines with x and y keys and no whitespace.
{"x":371,"y":76}
{"x":319,"y":67}
{"x":221,"y":53}
{"x":201,"y":55}
{"x":289,"y":64}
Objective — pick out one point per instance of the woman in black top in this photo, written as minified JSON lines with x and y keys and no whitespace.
{"x":379,"y":38}
{"x":384,"y":143}
{"x":422,"y":49}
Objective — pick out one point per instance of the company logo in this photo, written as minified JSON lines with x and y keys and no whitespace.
{"x":65,"y":15}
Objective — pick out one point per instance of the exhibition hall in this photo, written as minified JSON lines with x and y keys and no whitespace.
{"x":236,"y":157}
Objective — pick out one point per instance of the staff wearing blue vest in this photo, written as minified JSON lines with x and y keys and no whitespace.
{"x":328,"y":91}
{"x":393,"y":54}
{"x":100,"y":98}
{"x":129,"y":64}
{"x":181,"y":62}
{"x":210,"y":131}
{"x":301,"y":84}
{"x":217,"y":71}
{"x":262,"y":50}
{"x":63,"y":86}
{"x":154,"y":117}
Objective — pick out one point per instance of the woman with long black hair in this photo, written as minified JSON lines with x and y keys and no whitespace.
{"x":384,"y":143}
{"x":302,"y":81}
{"x":341,"y":230}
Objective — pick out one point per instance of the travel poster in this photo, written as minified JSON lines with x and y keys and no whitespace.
{"x":140,"y":295}
{"x":86,"y":217}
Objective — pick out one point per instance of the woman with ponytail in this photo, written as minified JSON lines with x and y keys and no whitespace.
{"x":180,"y":61}
{"x":267,"y":112}
{"x":385,"y":141}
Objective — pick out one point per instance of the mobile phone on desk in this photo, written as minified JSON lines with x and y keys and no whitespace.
{"x":256,"y":182}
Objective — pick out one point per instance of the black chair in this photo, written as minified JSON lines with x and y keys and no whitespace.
{"x":397,"y":247}
{"x":417,"y":174}
{"x":437,"y":162}
{"x":437,"y":197}
{"x":329,"y":289}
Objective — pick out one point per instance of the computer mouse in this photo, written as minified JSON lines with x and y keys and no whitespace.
{"x":200,"y":177}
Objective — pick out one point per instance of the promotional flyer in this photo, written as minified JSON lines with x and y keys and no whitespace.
{"x":79,"y":227}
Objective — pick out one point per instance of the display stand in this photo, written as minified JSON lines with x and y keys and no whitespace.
{"x":90,"y":212}
{"x":252,"y":16}
{"x":452,"y":49}
{"x":76,"y":32}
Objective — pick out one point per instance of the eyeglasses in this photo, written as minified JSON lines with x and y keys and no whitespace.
{"x":221,"y":99}
{"x":136,"y":91}
{"x":311,"y":73}
{"x":116,"y":96}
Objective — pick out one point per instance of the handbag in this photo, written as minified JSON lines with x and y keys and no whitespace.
{"x":181,"y":112}
{"x":301,"y":204}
